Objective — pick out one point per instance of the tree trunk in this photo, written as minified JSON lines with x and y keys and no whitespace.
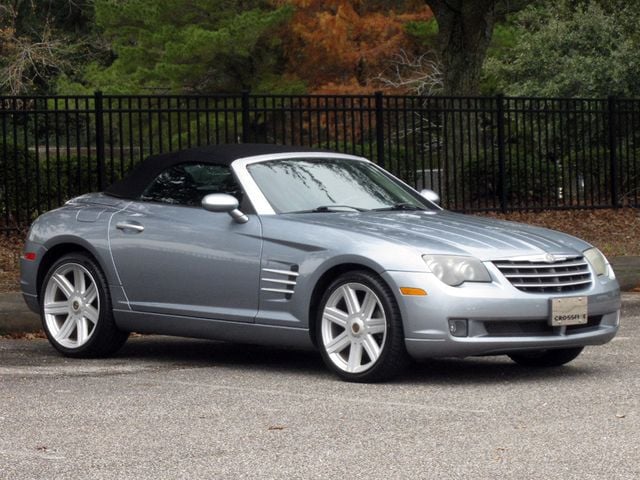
{"x":464,"y":34}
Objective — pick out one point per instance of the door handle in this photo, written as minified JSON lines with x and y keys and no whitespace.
{"x":130,"y":226}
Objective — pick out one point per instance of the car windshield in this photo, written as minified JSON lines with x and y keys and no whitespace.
{"x":331,"y":185}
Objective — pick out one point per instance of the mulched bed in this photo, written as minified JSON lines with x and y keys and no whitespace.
{"x":615,"y":232}
{"x":10,"y":251}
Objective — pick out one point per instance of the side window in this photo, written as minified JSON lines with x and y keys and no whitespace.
{"x":187,"y":184}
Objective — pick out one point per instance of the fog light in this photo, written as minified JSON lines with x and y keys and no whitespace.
{"x":458,"y":327}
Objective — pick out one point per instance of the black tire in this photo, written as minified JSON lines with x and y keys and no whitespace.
{"x":393,"y":357}
{"x":100,"y":338}
{"x":546,"y":358}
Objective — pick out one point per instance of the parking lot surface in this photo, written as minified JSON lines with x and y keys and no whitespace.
{"x":182,"y":408}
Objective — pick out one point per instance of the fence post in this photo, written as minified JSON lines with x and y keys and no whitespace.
{"x":245,"y":116}
{"x":501,"y":152}
{"x":99,"y":138}
{"x":613,"y":160}
{"x":379,"y":128}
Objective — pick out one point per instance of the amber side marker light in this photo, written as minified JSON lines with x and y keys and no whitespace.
{"x":413,"y":291}
{"x":31,"y":256}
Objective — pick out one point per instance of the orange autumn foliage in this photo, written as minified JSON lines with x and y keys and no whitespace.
{"x":340,"y":46}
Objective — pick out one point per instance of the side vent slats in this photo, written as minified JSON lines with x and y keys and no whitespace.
{"x":279,"y":281}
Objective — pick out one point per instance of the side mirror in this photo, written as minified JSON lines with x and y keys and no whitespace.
{"x":221,"y":202}
{"x":430,"y":195}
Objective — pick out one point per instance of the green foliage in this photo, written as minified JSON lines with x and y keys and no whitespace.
{"x":163,"y":46}
{"x":35,"y":184}
{"x":41,"y":40}
{"x":274,"y":83}
{"x":423,"y":33}
{"x":569,"y":49}
{"x":504,"y":39}
{"x":14,"y":162}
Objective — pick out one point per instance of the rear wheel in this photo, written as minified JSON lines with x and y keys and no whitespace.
{"x":76,"y":309}
{"x":359,"y":329}
{"x":546,"y":358}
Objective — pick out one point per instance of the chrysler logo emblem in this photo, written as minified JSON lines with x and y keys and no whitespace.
{"x":549,"y":258}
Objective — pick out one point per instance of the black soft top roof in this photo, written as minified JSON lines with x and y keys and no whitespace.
{"x":133,"y":185}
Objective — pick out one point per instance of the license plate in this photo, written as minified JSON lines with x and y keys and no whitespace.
{"x":568,"y":311}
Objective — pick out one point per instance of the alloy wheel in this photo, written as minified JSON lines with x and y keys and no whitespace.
{"x":354,"y":327}
{"x":71,"y":305}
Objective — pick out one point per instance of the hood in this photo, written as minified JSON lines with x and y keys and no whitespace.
{"x":451,"y":233}
{"x":98,"y":198}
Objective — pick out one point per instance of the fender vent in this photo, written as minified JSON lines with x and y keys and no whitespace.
{"x":275,"y":280}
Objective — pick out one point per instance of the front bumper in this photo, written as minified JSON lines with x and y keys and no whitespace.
{"x":29,"y":275}
{"x":500,"y":318}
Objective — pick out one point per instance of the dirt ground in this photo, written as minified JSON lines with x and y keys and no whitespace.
{"x":10,"y":250}
{"x":615,"y":232}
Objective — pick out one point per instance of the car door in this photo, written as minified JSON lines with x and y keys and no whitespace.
{"x":174,"y":257}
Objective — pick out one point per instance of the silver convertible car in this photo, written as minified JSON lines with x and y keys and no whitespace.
{"x":299,"y":247}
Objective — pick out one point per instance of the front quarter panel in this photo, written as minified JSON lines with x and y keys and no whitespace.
{"x":65,"y":226}
{"x":296,"y":255}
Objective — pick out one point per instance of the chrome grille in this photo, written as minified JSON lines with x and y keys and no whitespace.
{"x":567,"y":275}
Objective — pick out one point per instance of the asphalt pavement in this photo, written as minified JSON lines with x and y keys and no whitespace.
{"x":182,"y":408}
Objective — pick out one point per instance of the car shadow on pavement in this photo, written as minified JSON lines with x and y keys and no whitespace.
{"x":496,"y":369}
{"x":181,"y":352}
{"x":189,"y":353}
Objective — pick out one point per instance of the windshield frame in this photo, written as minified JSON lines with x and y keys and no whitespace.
{"x":262,"y":205}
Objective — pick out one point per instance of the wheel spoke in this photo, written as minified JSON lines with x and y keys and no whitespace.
{"x":83,"y":330}
{"x":355,"y":357}
{"x":91,"y":314}
{"x":371,"y":347}
{"x":368,"y":306}
{"x":375,"y":325}
{"x":56,"y":308}
{"x":338,"y":343}
{"x":350,"y":298}
{"x":63,"y":284}
{"x":90,"y":294}
{"x":78,"y":280}
{"x":67,"y":328}
{"x":335,"y":316}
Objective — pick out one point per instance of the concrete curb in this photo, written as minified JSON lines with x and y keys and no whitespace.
{"x":15,"y":317}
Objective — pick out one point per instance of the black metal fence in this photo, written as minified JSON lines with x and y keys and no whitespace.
{"x":479,"y":154}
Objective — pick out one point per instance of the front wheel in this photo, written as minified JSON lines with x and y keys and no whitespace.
{"x":76,"y":309}
{"x":546,"y":358}
{"x":359,"y":329}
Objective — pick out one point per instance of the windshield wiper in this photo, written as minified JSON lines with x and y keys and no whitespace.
{"x":399,"y":206}
{"x":332,"y":208}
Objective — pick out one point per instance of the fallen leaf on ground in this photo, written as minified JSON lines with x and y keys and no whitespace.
{"x":24,"y":336}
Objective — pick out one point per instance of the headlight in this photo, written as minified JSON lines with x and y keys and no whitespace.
{"x":455,"y":270}
{"x":599,"y":262}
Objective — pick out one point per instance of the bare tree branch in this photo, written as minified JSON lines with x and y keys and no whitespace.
{"x":420,"y":75}
{"x":27,"y":60}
